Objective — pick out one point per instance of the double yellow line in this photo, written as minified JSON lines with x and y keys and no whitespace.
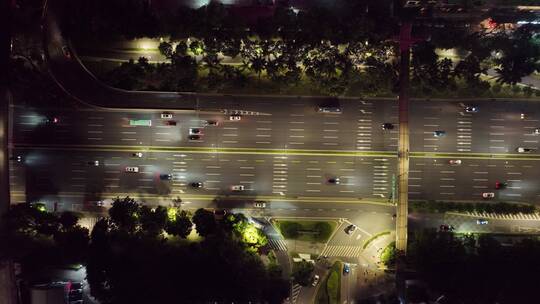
{"x":283,"y":152}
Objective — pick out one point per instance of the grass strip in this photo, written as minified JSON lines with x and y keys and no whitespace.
{"x":373,"y":237}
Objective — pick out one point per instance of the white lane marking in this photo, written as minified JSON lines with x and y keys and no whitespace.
{"x":330,"y":144}
{"x":263,"y":135}
{"x":496,"y":134}
{"x":480,"y":172}
{"x":250,"y":168}
{"x":296,"y":130}
{"x":213,"y":174}
{"x":331,"y":130}
{"x":229,"y":141}
{"x":167,"y":133}
{"x":263,"y":121}
{"x":128,"y":132}
{"x":262,"y":142}
{"x":230,"y":128}
{"x":314,"y":176}
{"x":296,"y":122}
{"x":263,"y":129}
{"x":95,"y":138}
{"x":295,"y":143}
{"x":330,"y":123}
{"x":213,"y":167}
{"x":297,"y":136}
{"x":230,"y":134}
{"x":127,"y":139}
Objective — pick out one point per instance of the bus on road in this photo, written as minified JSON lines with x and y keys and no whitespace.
{"x":140,"y":122}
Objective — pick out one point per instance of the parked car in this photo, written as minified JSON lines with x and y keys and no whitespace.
{"x":237,"y":188}
{"x":387,"y":126}
{"x":350,"y":229}
{"x":488,"y":195}
{"x":132,"y":169}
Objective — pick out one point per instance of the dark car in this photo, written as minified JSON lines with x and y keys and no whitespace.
{"x":165,"y":176}
{"x":194,"y":137}
{"x":334,"y":180}
{"x":446,"y":228}
{"x":52,"y":120}
{"x":350,"y":229}
{"x":219,"y":213}
{"x":211,"y":123}
{"x":197,"y":185}
{"x":170,"y":123}
{"x":439,"y":133}
{"x":75,"y":294}
{"x":387,"y":126}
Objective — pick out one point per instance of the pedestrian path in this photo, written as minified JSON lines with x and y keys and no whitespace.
{"x":277,"y":244}
{"x":342,"y":251}
{"x":294,"y":294}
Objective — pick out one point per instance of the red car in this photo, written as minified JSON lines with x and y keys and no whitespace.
{"x":499,"y":185}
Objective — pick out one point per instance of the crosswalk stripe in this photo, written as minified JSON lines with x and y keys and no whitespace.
{"x":342,"y":251}
{"x":277,"y":244}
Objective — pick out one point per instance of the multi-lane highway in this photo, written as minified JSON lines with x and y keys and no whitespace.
{"x":282,"y":148}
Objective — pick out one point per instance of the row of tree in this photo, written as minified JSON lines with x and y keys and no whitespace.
{"x":140,"y":254}
{"x":468,"y":269}
{"x":498,"y":208}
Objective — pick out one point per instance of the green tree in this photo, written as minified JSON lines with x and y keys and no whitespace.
{"x":125,"y":213}
{"x":73,"y":243}
{"x":68,"y":219}
{"x":153,"y":220}
{"x":181,"y":225}
{"x":302,"y":272}
{"x":166,"y":49}
{"x":205,"y":223}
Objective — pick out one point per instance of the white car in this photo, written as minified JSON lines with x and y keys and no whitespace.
{"x":455,"y":162}
{"x":195,"y":131}
{"x":537,"y":131}
{"x":166,"y":115}
{"x":259,"y":204}
{"x":315,"y":280}
{"x":524,"y":150}
{"x":488,"y":195}
{"x":235,"y":117}
{"x":471,"y":109}
{"x":238,"y":188}
{"x":132,"y":169}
